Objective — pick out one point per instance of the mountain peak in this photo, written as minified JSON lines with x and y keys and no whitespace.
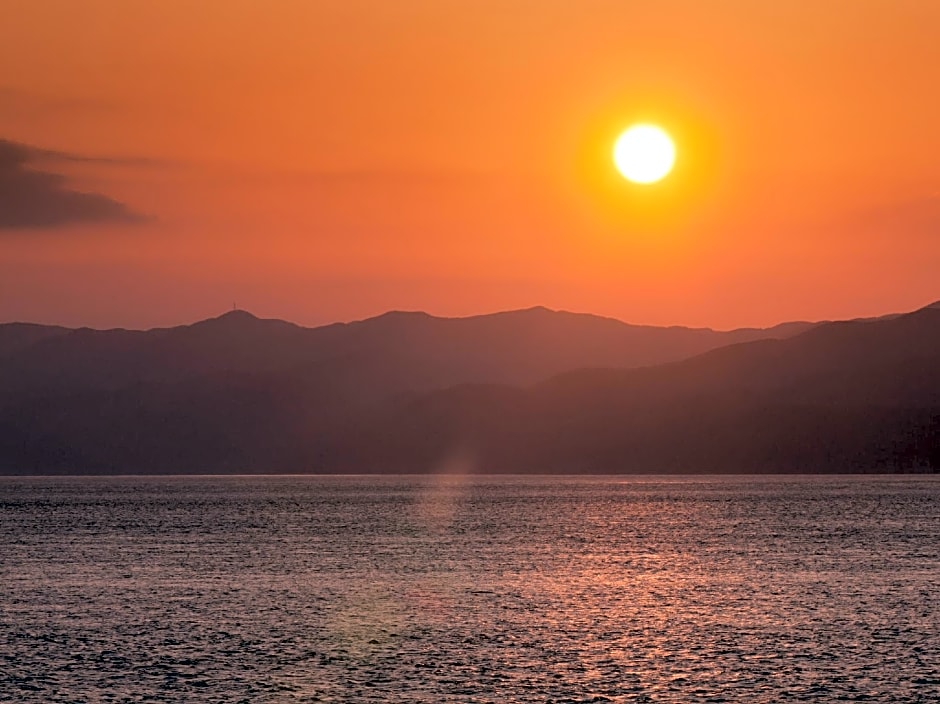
{"x":233,"y":319}
{"x":402,"y":314}
{"x":237,"y":314}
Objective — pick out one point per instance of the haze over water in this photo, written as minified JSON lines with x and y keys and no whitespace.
{"x":349,"y":589}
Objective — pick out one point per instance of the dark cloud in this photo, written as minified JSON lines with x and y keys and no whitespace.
{"x":33,"y":197}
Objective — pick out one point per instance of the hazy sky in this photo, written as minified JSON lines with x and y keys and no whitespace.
{"x":324,"y":160}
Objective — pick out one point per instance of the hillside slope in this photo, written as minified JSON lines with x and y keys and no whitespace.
{"x":407,"y":392}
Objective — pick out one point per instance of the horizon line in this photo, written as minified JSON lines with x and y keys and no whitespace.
{"x":510,"y":311}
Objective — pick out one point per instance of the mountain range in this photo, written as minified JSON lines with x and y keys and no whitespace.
{"x":522,"y":391}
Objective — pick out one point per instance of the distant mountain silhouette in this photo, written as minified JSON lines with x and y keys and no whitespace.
{"x":847,"y":396}
{"x":522,"y":391}
{"x":15,"y":337}
{"x":413,"y":350}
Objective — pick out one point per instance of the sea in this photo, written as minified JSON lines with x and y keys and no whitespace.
{"x":470,"y":589}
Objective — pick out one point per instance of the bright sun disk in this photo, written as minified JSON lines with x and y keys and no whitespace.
{"x":644,"y":154}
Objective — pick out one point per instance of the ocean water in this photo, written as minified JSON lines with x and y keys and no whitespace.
{"x":457,"y":589}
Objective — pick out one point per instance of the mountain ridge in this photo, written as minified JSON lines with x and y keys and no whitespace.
{"x":404,"y":391}
{"x":511,"y":346}
{"x":245,"y":315}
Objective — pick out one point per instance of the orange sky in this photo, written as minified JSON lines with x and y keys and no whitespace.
{"x":328,"y":160}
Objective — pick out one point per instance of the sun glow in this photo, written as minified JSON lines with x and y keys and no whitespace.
{"x":644,"y":154}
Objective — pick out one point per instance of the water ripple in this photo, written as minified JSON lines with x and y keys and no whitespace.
{"x":357,"y":589}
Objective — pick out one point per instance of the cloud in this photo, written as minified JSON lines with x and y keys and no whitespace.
{"x":32,"y":197}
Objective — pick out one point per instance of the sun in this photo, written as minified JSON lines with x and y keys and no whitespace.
{"x":644,"y":154}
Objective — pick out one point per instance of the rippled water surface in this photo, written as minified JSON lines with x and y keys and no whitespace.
{"x":360,"y":589}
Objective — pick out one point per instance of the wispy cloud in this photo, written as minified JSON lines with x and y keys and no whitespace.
{"x":33,"y":197}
